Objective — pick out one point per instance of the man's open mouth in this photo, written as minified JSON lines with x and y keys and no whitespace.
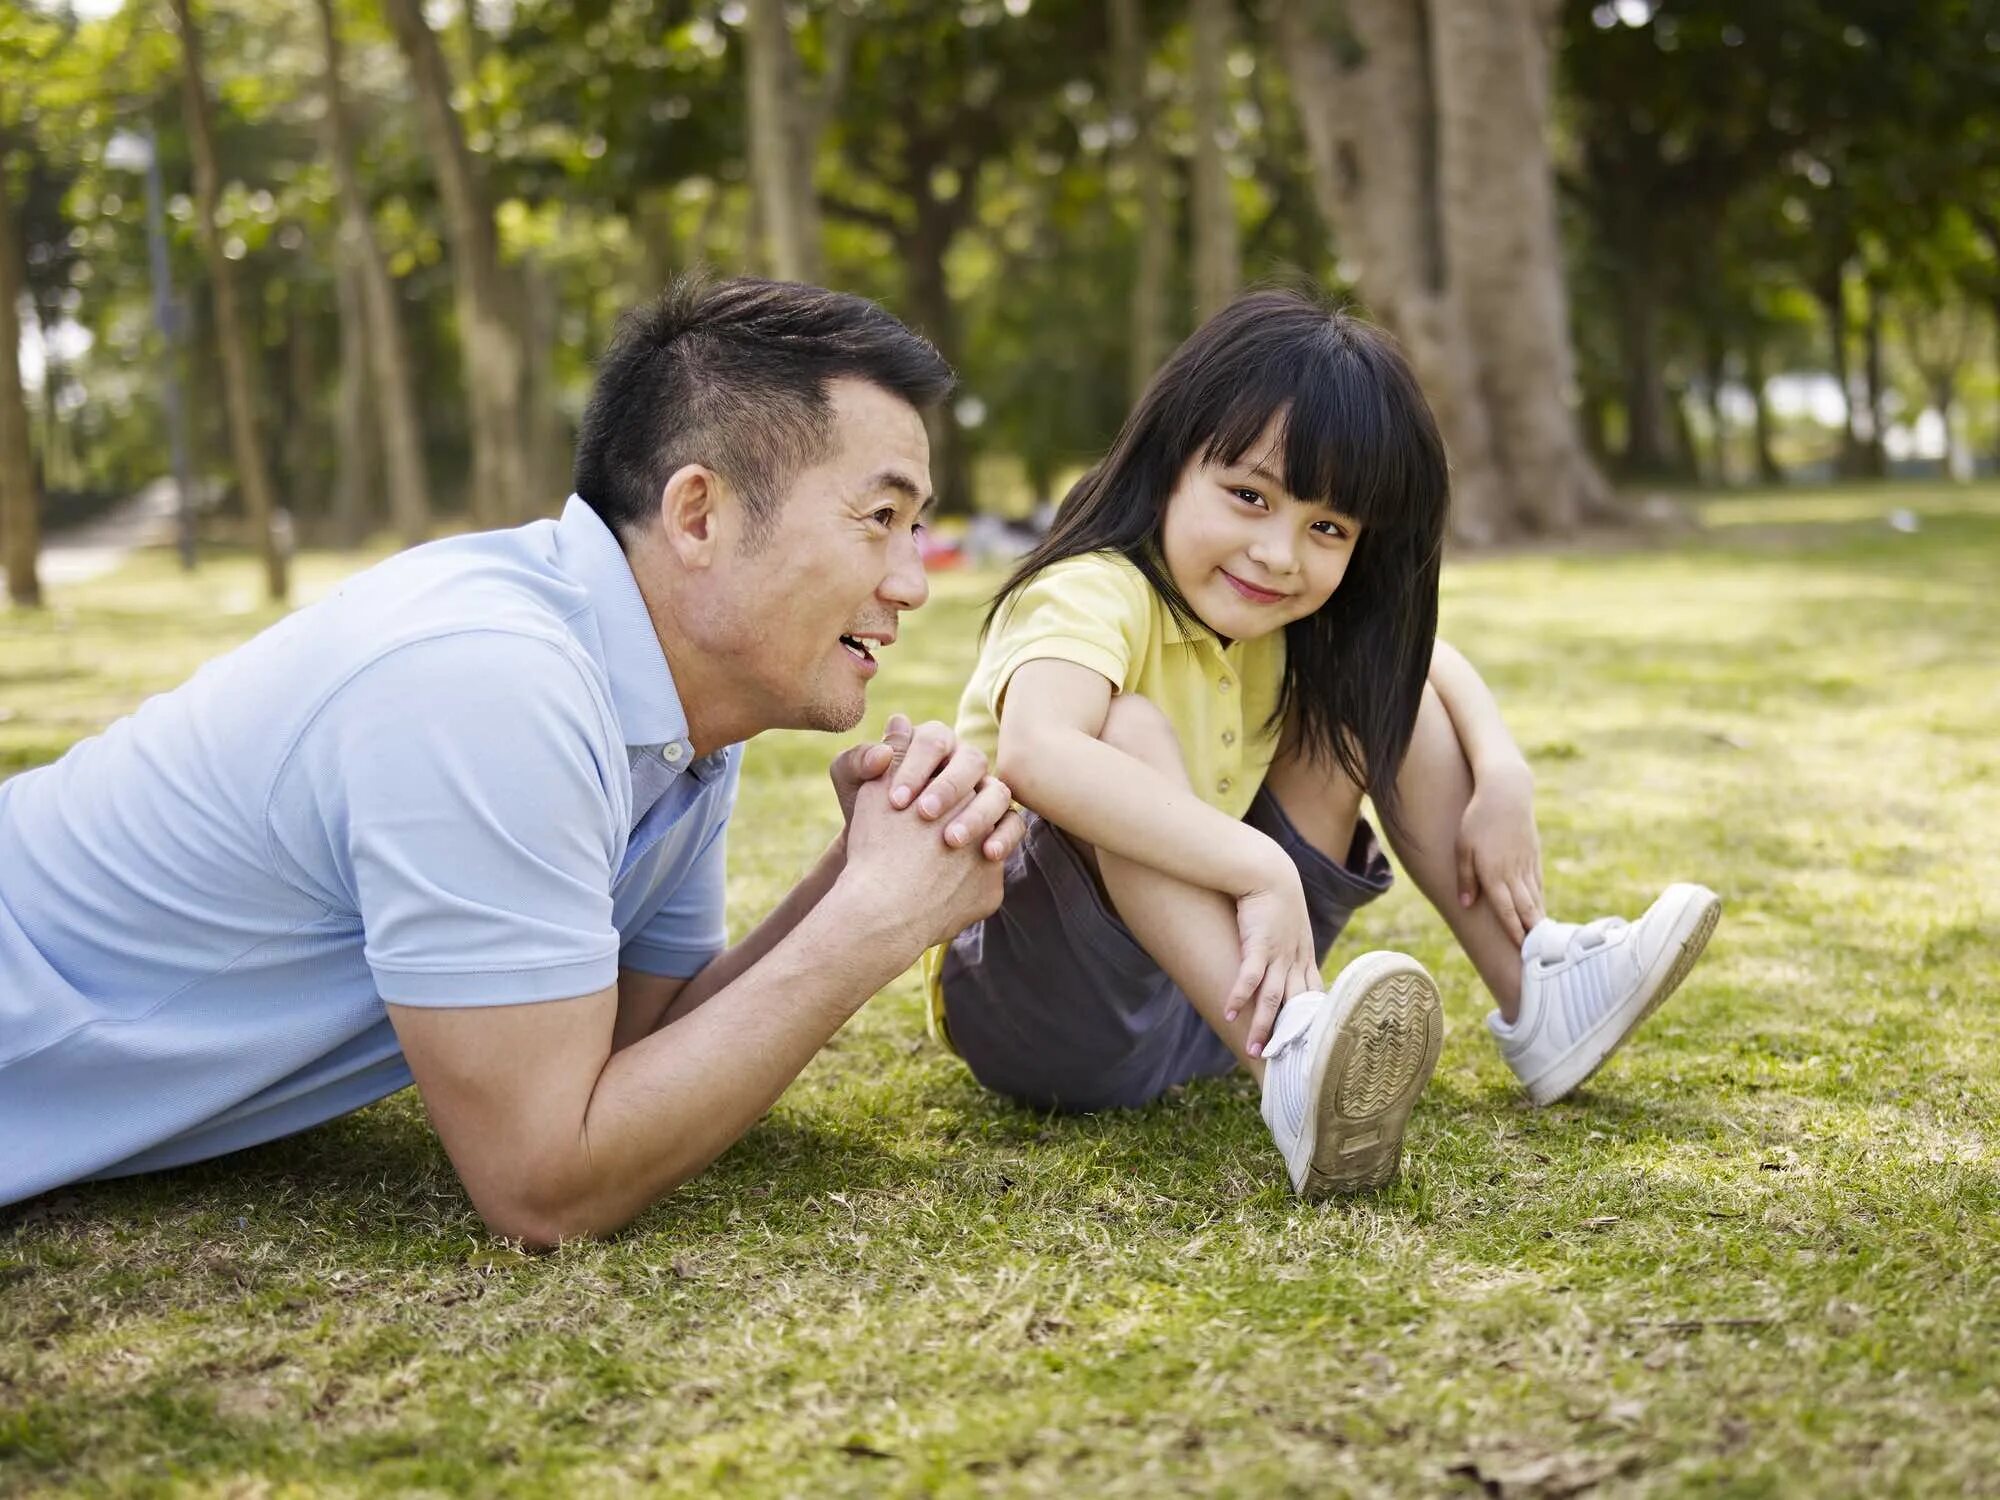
{"x":857,"y":648}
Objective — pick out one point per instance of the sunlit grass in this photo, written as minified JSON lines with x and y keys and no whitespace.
{"x":1757,"y":1255}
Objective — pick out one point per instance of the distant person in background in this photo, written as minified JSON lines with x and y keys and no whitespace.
{"x":464,"y":821}
{"x":1226,"y":642}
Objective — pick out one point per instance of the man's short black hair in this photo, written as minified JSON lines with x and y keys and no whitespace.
{"x":733,"y":375}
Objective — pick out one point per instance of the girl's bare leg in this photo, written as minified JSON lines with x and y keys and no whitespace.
{"x":1435,"y":786}
{"x":1189,"y":931}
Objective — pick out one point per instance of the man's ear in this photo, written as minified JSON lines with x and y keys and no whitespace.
{"x":691,"y":514}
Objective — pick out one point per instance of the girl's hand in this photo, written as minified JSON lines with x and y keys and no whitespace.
{"x":1278,"y":957}
{"x":1499,"y":852}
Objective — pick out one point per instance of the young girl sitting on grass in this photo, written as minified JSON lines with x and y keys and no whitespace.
{"x":1226,"y":641}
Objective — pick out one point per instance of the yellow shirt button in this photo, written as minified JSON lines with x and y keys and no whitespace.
{"x":1222,"y":685}
{"x":1228,"y":736}
{"x":1222,"y":785}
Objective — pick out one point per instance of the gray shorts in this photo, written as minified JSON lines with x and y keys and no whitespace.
{"x":1052,"y":1001}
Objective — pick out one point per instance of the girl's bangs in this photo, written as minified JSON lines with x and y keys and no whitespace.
{"x":1347,"y":430}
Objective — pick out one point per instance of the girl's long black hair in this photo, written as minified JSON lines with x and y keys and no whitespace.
{"x":1358,"y":434}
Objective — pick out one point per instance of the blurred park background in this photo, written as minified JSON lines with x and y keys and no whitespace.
{"x":341,"y":266}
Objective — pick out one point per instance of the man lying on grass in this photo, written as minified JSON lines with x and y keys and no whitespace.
{"x":462,"y":822}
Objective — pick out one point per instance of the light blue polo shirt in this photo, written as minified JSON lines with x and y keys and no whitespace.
{"x":464,"y":779}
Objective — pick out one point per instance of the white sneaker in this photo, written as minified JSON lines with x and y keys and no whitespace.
{"x":1343,"y":1070}
{"x":1584,"y":990}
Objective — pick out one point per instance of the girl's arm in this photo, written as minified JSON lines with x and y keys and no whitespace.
{"x":1052,"y":757}
{"x":1499,"y":851}
{"x":1482,"y":734}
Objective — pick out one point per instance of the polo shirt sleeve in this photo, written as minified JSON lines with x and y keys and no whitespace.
{"x":1095,"y":611}
{"x":689,"y":929}
{"x":464,"y":787}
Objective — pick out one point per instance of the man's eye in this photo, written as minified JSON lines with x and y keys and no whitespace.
{"x":886,"y":516}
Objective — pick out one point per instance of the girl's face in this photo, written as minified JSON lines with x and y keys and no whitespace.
{"x":1246,"y":553}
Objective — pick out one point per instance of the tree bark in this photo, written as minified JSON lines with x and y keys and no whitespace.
{"x":359,"y":436}
{"x":20,"y":495}
{"x":1218,"y":268}
{"x":379,"y":333}
{"x":1366,"y":105}
{"x":1831,"y":290}
{"x":1875,"y":454}
{"x":541,"y":326}
{"x":1498,"y":207}
{"x":923,"y":252}
{"x":783,"y":144}
{"x":1768,"y":471}
{"x":246,"y":443}
{"x":1153,"y":236}
{"x":488,"y":344}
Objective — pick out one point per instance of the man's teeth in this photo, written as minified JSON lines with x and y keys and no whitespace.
{"x":858,"y":647}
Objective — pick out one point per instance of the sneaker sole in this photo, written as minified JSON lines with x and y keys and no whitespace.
{"x":1368,"y":1080}
{"x":1672,"y":966}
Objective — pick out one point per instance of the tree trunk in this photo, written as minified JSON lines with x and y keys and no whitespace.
{"x":1875,"y":454}
{"x":548,"y":441}
{"x":1493,"y":60}
{"x":923,"y":251}
{"x":783,"y":141}
{"x":1715,"y":370}
{"x":1218,"y":269}
{"x":1831,"y":290}
{"x":1768,"y":471}
{"x":1153,"y":235}
{"x":488,"y":346}
{"x":246,"y":444}
{"x":380,"y":332}
{"x":299,"y":424}
{"x":1365,"y":99}
{"x":20,"y":496}
{"x":355,"y":463}
{"x":1648,"y":417}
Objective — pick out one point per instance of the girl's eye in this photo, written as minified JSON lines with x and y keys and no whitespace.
{"x":1249,"y":497}
{"x":1330,"y":528}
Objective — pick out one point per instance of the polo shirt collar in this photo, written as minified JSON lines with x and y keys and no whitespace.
{"x":642,"y":687}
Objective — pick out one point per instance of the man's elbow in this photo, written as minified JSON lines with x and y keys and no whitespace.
{"x":544,"y":1215}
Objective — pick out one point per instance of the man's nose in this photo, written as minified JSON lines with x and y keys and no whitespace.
{"x":907,"y":585}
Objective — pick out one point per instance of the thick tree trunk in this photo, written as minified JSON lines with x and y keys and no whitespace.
{"x":488,"y":346}
{"x":1502,"y":251}
{"x":1649,"y":442}
{"x":20,"y":495}
{"x":1218,"y":268}
{"x":1366,"y":106}
{"x":253,"y":473}
{"x":359,"y":434}
{"x":783,"y":142}
{"x":1153,"y":235}
{"x":379,"y":331}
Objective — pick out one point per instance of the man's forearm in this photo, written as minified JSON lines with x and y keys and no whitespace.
{"x":726,"y":967}
{"x":1475,"y":715}
{"x":669,"y":1104}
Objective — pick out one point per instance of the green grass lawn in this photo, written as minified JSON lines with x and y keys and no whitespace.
{"x":1759,"y":1254}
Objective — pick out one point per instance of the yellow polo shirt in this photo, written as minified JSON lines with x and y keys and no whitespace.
{"x":1099,"y":612}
